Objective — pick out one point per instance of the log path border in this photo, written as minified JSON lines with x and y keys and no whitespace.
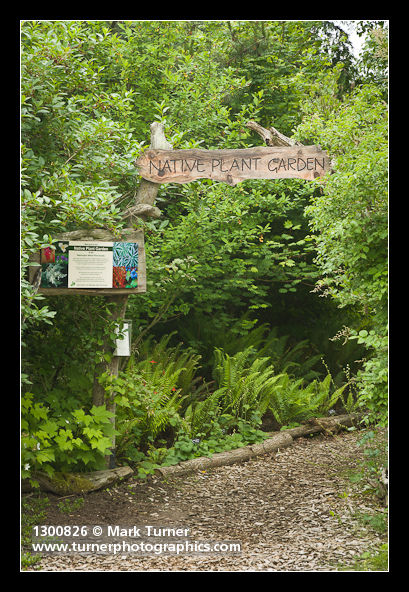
{"x":276,"y":441}
{"x":75,"y":483}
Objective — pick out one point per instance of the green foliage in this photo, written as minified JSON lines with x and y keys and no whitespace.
{"x":372,"y":479}
{"x":157,"y":429}
{"x":244,"y":386}
{"x":60,"y":442}
{"x":220,"y":434}
{"x":235,"y":238}
{"x":150,"y":406}
{"x":63,"y":359}
{"x":350,"y":219}
{"x":145,"y":408}
{"x":373,"y":470}
{"x":147,"y":404}
{"x":372,"y":381}
{"x":373,"y":61}
{"x":68,"y":506}
{"x":371,"y":560}
{"x":228,"y":268}
{"x":283,"y":58}
{"x":351,"y":214}
{"x":293,"y":401}
{"x":32,"y":513}
{"x":248,"y":385}
{"x":214,"y":438}
{"x":181,"y":361}
{"x":77,"y":149}
{"x":151,"y":394}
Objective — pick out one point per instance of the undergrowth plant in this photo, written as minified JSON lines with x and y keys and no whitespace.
{"x":144,"y":409}
{"x":298,"y":359}
{"x":166,"y":412}
{"x":372,"y":473}
{"x":160,"y":357}
{"x":33,"y":511}
{"x":248,"y":384}
{"x":77,"y":440}
{"x":222,"y":433}
{"x":294,"y":401}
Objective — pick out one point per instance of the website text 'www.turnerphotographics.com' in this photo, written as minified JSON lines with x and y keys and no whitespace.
{"x":124,"y":540}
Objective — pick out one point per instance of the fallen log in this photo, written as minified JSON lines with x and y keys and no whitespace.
{"x":229,"y":457}
{"x":277,"y":440}
{"x":328,"y":425}
{"x":62,"y":483}
{"x":77,"y":483}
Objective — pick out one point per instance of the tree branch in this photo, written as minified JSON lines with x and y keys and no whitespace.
{"x":148,"y":190}
{"x":272,"y":137}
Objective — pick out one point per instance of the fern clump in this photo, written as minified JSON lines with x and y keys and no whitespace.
{"x":162,"y":399}
{"x":248,"y":385}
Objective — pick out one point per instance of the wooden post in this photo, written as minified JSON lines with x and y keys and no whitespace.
{"x":148,"y":190}
{"x":98,"y":392}
{"x":143,"y":208}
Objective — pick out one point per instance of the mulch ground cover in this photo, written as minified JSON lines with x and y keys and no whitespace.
{"x":294,"y":510}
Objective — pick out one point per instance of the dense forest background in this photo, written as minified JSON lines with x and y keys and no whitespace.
{"x":266,"y":302}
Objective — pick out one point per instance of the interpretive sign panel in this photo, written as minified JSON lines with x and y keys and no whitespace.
{"x":83,"y":266}
{"x":90,"y":265}
{"x":233,"y":166}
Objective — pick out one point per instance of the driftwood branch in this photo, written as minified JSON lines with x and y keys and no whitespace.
{"x":75,"y":483}
{"x":142,"y":210}
{"x":148,"y":190}
{"x":271,"y":136}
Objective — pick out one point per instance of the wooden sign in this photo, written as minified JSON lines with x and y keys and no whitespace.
{"x":233,"y":166}
{"x":92,"y":262}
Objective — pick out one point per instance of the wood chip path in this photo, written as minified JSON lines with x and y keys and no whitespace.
{"x":295,"y":510}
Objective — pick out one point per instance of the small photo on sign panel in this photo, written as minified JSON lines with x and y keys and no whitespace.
{"x":54,"y":266}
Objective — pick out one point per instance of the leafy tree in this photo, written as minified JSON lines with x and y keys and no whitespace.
{"x":373,"y":62}
{"x":350,"y":219}
{"x":77,"y":147}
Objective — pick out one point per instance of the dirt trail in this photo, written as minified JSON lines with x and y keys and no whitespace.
{"x":291,"y":511}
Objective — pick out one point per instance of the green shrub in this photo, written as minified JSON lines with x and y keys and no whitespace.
{"x":77,"y":440}
{"x":373,"y":470}
{"x":214,"y":438}
{"x":147,"y":404}
{"x":152,"y":394}
{"x":32,"y":513}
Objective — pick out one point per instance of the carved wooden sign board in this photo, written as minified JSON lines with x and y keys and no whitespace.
{"x":95,"y":262}
{"x":233,"y":166}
